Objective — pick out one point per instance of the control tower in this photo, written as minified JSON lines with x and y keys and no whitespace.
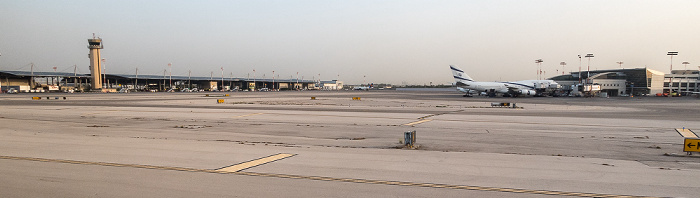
{"x":95,"y":44}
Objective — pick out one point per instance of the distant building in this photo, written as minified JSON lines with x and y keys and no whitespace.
{"x":617,"y":82}
{"x":331,"y":85}
{"x":683,"y":81}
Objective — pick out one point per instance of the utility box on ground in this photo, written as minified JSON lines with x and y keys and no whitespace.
{"x":409,"y":138}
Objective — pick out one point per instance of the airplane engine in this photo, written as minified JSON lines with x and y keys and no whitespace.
{"x":527,"y":92}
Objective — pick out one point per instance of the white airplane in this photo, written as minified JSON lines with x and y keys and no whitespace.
{"x":361,"y":88}
{"x":526,"y":87}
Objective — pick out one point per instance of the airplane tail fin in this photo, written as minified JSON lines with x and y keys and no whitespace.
{"x":459,"y":75}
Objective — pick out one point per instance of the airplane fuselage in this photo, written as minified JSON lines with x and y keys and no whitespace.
{"x":525,"y":87}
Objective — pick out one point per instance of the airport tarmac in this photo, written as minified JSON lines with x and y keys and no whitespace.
{"x":179,"y":144}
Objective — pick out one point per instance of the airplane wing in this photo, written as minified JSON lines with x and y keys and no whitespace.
{"x":512,"y":88}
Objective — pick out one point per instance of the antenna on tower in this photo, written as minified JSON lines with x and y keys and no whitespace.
{"x":93,"y":35}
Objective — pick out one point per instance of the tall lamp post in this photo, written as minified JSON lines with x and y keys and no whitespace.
{"x":687,"y":84}
{"x":588,"y":76}
{"x":539,"y":71}
{"x":685,"y":64}
{"x":562,"y":67}
{"x":579,"y":69}
{"x":104,"y":73}
{"x":620,"y":63}
{"x":136,"y":83}
{"x":296,"y":86}
{"x":273,"y":80}
{"x":670,"y":79}
{"x":170,"y":73}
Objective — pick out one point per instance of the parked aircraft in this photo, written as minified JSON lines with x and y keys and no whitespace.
{"x":361,"y":88}
{"x":526,"y":87}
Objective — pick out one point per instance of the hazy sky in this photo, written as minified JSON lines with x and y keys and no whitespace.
{"x":386,"y":41}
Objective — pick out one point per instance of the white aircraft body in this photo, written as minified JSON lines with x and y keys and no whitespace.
{"x":361,"y":88}
{"x":526,"y":87}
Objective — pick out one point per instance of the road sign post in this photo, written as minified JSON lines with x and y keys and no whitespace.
{"x":691,"y":145}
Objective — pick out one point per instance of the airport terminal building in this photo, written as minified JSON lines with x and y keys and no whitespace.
{"x":617,"y":82}
{"x":28,"y":81}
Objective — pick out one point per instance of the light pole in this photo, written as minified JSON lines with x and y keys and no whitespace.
{"x":687,"y":84}
{"x":579,"y":69}
{"x":136,"y":83}
{"x":104,"y":73}
{"x":222,"y":78}
{"x":562,"y":67}
{"x":170,"y":79}
{"x":539,"y":70}
{"x":620,"y":64}
{"x":670,"y":79}
{"x":255,"y":84}
{"x":273,"y":80}
{"x":588,"y":76}
{"x":165,"y":72}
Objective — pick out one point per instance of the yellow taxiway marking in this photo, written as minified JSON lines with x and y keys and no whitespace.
{"x":321,"y":178}
{"x":417,"y":122}
{"x":257,"y":162}
{"x":252,"y":114}
{"x":686,"y":133}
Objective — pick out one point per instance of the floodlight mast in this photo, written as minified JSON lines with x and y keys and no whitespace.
{"x":670,"y":79}
{"x":579,"y":69}
{"x":539,"y":68}
{"x":170,"y":78}
{"x":588,"y":76}
{"x":685,"y":64}
{"x":562,"y":67}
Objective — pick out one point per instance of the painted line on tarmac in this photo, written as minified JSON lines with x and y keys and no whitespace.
{"x":254,"y":163}
{"x":252,"y":114}
{"x":557,"y":124}
{"x":321,"y":178}
{"x":417,"y":122}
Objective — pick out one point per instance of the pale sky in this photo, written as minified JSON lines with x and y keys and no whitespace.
{"x":386,"y":41}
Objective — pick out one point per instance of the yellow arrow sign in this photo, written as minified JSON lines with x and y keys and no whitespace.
{"x":691,"y":145}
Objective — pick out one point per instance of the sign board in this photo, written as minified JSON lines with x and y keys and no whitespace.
{"x":355,"y":98}
{"x":220,"y":101}
{"x":691,"y":145}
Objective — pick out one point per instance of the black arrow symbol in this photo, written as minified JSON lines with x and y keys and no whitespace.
{"x":690,"y":145}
